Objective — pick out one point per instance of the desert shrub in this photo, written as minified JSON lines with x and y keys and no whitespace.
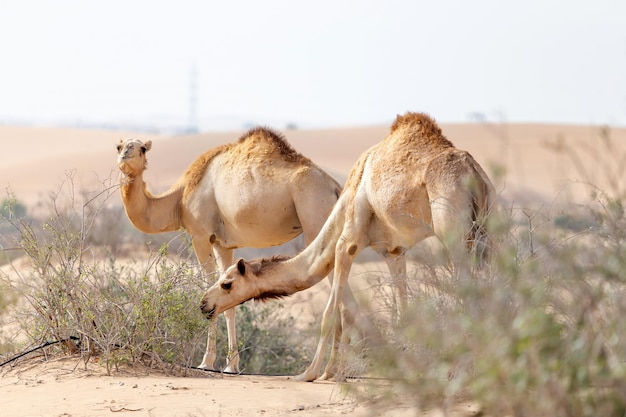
{"x":77,"y":291}
{"x":10,"y":210}
{"x":538,"y":332}
{"x":10,"y":207}
{"x":574,"y":222}
{"x":269,"y":343}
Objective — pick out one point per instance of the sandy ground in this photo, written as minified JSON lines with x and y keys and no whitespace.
{"x":540,"y":164}
{"x":67,"y":386}
{"x":62,"y":387}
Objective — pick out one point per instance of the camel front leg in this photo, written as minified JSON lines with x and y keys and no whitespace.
{"x":210,"y":354}
{"x":232,"y":359}
{"x":353,"y":240}
{"x":333,"y":316}
{"x":204,"y":252}
{"x":225,"y":258}
{"x":345,"y":252}
{"x":338,"y":342}
{"x":330,"y":320}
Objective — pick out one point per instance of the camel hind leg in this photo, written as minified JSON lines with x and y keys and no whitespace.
{"x":451,"y":216}
{"x":313,"y":206}
{"x":396,"y":263}
{"x":460,"y":200}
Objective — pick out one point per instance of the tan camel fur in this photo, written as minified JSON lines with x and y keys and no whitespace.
{"x":257,"y":192}
{"x":412,"y":185}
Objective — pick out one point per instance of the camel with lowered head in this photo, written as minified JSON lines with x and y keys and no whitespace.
{"x":257,"y":192}
{"x":412,"y":185}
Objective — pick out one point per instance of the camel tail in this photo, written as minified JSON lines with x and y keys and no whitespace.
{"x":483,"y":199}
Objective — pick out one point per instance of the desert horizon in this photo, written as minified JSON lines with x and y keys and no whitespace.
{"x":531,"y":160}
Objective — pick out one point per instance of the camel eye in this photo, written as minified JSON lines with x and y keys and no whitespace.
{"x":226,"y":285}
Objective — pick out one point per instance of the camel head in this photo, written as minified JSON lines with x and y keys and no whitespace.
{"x":131,"y":156}
{"x":241,"y":282}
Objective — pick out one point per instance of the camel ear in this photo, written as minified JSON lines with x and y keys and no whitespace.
{"x":147,"y":146}
{"x":241,"y":266}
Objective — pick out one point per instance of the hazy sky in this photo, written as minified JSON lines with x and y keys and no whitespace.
{"x":316,"y":63}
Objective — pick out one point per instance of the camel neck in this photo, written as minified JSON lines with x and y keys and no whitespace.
{"x":147,"y":212}
{"x":311,"y":265}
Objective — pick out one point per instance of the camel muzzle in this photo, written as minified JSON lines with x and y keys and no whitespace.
{"x":208,"y":314}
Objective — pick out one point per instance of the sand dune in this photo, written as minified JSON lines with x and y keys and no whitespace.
{"x":35,"y":160}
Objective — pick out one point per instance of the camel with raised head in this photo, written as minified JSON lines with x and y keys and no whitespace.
{"x":257,"y":192}
{"x":412,"y":185}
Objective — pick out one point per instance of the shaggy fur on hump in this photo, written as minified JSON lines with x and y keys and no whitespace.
{"x":276,"y":139}
{"x":197,"y":169}
{"x":423,"y":125}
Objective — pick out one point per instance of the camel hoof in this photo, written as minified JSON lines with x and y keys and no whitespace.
{"x":231,"y":370}
{"x":332,"y":376}
{"x":207,"y":362}
{"x":206,"y":366}
{"x":304,"y":377}
{"x":326,"y":376}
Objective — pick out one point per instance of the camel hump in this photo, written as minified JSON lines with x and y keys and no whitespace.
{"x":275,"y":140}
{"x":420,"y":126}
{"x":418,"y":120}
